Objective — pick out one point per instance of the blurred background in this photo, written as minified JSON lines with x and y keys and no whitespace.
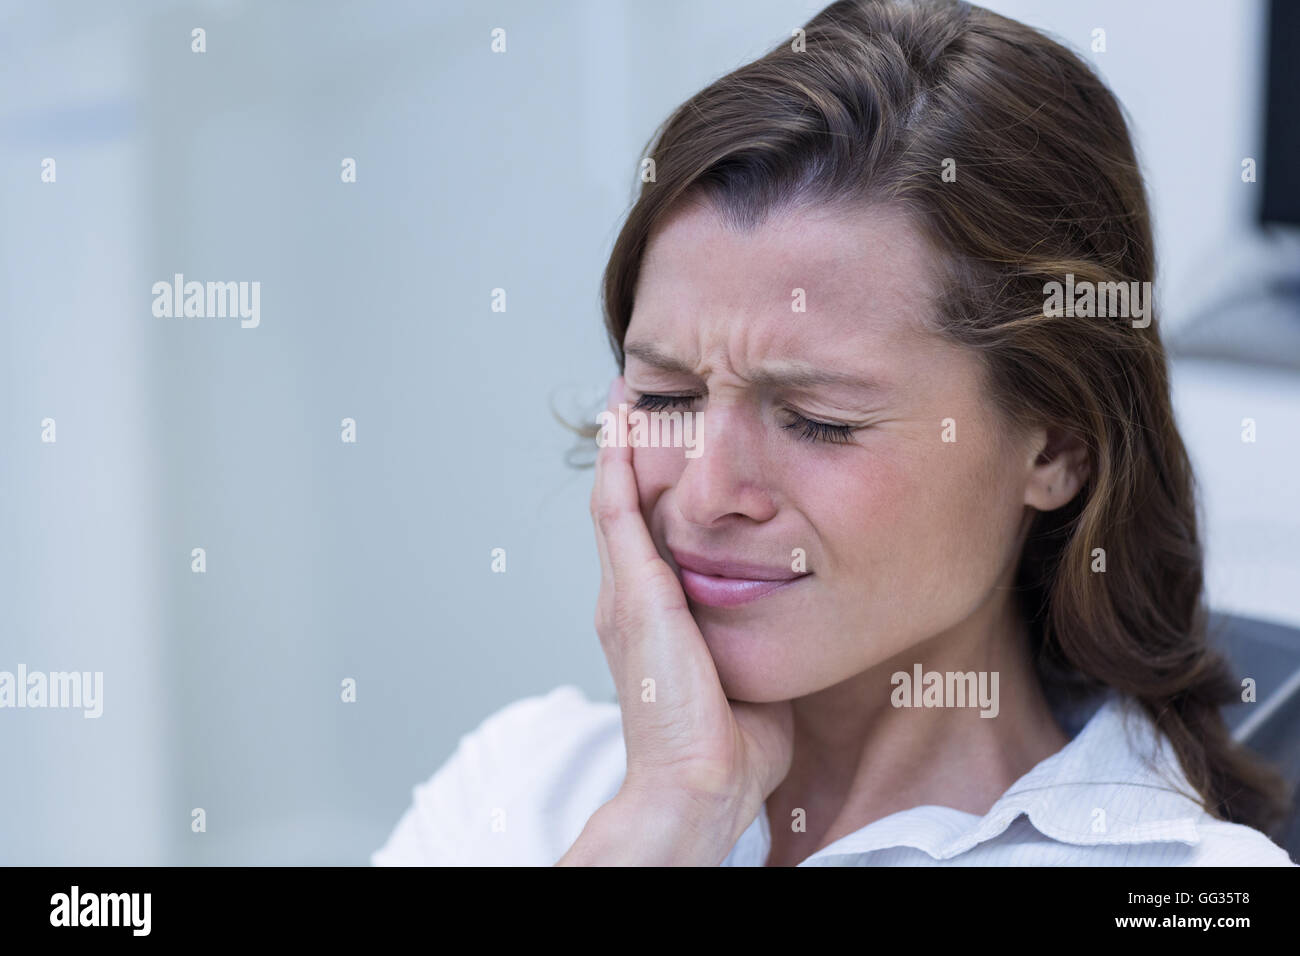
{"x":371,"y":560}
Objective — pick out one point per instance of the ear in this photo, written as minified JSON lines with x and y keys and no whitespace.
{"x":1058,"y":469}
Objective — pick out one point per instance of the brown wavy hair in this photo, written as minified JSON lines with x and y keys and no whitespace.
{"x":867,"y":112}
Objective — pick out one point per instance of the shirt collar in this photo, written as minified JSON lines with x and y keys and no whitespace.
{"x":1115,"y":782}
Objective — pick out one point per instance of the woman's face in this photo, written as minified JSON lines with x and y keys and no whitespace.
{"x":904,"y":535}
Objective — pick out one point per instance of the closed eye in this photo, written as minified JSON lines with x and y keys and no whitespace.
{"x":659,"y":403}
{"x":807,"y":429}
{"x":804,"y":428}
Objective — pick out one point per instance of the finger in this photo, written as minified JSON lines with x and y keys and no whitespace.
{"x":641,"y":577}
{"x":606,"y":570}
{"x":617,"y":504}
{"x":605,"y":598}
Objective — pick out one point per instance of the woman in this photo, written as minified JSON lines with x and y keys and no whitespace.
{"x":930,"y":589}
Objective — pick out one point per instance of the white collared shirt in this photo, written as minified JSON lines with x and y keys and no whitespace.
{"x":520,"y":788}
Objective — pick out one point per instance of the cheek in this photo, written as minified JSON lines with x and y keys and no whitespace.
{"x":980,"y":506}
{"x":657,"y":470}
{"x":863,"y":512}
{"x":910,"y":524}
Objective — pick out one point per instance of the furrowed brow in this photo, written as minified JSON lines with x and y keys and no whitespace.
{"x":799,"y":376}
{"x":787,"y":376}
{"x":656,"y":357}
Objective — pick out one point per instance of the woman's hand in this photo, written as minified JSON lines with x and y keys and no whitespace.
{"x":698,"y":765}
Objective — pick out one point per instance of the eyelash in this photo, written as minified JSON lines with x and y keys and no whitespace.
{"x":806,"y":429}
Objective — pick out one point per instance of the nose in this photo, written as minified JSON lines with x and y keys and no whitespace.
{"x":727,"y":478}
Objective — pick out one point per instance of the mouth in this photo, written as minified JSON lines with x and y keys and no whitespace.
{"x":728,"y":583}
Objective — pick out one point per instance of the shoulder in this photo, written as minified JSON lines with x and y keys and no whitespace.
{"x":1215,"y":842}
{"x":1232,"y":844}
{"x":1117,"y":795}
{"x":518,"y":788}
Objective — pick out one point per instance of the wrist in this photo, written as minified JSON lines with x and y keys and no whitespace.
{"x":638,"y":828}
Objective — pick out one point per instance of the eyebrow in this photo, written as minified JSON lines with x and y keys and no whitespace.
{"x":791,"y":376}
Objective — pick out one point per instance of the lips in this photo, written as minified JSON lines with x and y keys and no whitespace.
{"x":728,"y":582}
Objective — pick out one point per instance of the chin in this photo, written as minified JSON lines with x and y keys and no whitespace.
{"x":758,"y":665}
{"x":749,"y":689}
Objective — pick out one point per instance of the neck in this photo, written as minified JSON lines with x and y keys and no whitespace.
{"x":858,"y":758}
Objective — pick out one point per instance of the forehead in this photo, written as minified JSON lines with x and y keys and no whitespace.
{"x":862,"y":274}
